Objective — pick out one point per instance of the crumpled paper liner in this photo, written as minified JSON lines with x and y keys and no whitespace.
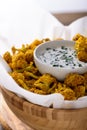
{"x":55,"y":100}
{"x":32,"y":22}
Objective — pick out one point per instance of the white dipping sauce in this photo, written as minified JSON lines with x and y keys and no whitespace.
{"x":61,"y":57}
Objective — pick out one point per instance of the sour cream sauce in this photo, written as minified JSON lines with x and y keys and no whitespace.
{"x":61,"y":57}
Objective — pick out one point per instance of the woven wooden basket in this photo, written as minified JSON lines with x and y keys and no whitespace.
{"x":42,"y":118}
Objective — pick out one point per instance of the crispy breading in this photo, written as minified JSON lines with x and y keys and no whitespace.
{"x":46,"y":82}
{"x":67,"y":92}
{"x":85,"y":75}
{"x":26,"y":74}
{"x":38,"y":91}
{"x":73,"y":80}
{"x":8,"y":57}
{"x":35,"y":43}
{"x":29,"y":55}
{"x":79,"y":91}
{"x":81,"y":47}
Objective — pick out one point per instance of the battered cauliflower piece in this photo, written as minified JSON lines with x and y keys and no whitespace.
{"x":73,"y":80}
{"x":19,"y":64}
{"x":46,"y":82}
{"x":23,"y":49}
{"x":81,"y":47}
{"x":18,"y":56}
{"x":79,"y":91}
{"x":78,"y":37}
{"x":85,"y":75}
{"x":60,"y":87}
{"x":7,"y":56}
{"x":29,"y":55}
{"x":30,"y":83}
{"x":20,"y":79}
{"x":35,"y":43}
{"x":67,"y":92}
{"x":82,"y":56}
{"x":18,"y":61}
{"x":17,"y":75}
{"x":26,"y":74}
{"x":38,"y":91}
{"x":30,"y":75}
{"x":45,"y":40}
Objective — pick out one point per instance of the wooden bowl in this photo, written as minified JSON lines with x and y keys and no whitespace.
{"x":42,"y":118}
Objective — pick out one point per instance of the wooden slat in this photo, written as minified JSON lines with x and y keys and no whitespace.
{"x":38,"y":117}
{"x":8,"y":119}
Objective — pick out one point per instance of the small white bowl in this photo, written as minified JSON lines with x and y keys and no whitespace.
{"x":58,"y":72}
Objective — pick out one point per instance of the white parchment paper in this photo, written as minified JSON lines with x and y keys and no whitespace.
{"x":25,"y":23}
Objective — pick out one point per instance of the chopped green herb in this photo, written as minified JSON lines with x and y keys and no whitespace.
{"x":61,"y":57}
{"x":80,"y":65}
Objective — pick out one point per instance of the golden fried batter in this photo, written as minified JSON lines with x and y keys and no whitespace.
{"x":79,"y":91}
{"x":46,"y":83}
{"x":19,"y":78}
{"x":73,"y":79}
{"x":81,"y":47}
{"x":26,"y":74}
{"x":67,"y":92}
{"x":85,"y":75}
{"x":7,"y":56}
{"x":35,"y":43}
{"x":38,"y":91}
{"x":29,"y":55}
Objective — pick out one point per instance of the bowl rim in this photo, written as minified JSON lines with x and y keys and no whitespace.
{"x":56,"y":41}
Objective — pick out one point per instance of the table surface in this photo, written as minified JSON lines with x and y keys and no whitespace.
{"x":9,"y":117}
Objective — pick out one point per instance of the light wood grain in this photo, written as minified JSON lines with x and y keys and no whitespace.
{"x":42,"y":118}
{"x":10,"y":118}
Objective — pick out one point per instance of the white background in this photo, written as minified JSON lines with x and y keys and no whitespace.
{"x":22,"y":21}
{"x":58,"y":6}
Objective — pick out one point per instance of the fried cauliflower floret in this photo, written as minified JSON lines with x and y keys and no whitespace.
{"x":46,"y":82}
{"x":29,"y":55}
{"x":18,"y":61}
{"x":79,"y":91}
{"x":23,"y":49}
{"x":35,"y":43}
{"x":32,"y":68}
{"x":60,"y":87}
{"x":30,"y":83}
{"x":26,"y":74}
{"x":73,"y":80}
{"x":18,"y":56}
{"x":17,"y":75}
{"x":45,"y":40}
{"x":76,"y":37}
{"x":29,"y":68}
{"x":67,"y":92}
{"x":81,"y":47}
{"x":38,"y":91}
{"x":7,"y":56}
{"x":30,"y":75}
{"x":85,"y":76}
{"x":82,"y":56}
{"x":20,"y":79}
{"x":19,"y":64}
